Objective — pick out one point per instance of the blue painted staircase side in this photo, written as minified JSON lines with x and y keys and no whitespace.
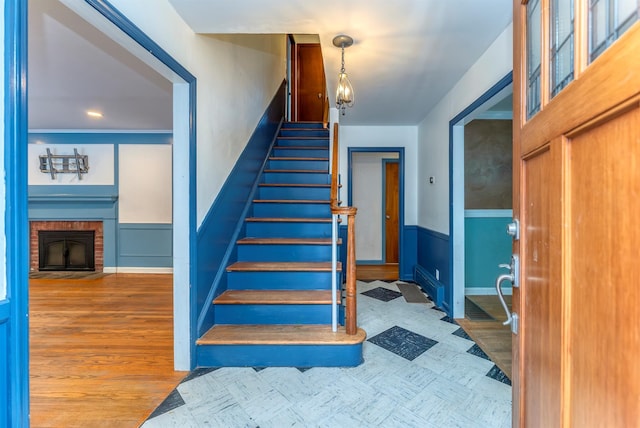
{"x":276,"y":310}
{"x":302,"y":141}
{"x":280,"y":191}
{"x":288,"y":228}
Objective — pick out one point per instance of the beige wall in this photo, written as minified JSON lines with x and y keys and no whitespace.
{"x":433,"y":132}
{"x":487,"y":164}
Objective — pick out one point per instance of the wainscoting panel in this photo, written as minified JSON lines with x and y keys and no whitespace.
{"x":486,"y":246}
{"x":409,"y":253}
{"x":433,"y":258}
{"x":145,"y":245}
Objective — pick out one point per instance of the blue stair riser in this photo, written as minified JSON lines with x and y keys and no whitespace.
{"x":288,"y":230}
{"x":301,"y":153}
{"x":317,"y":193}
{"x":291,"y":210}
{"x":299,"y":164}
{"x":273,"y":314}
{"x":283,"y":253}
{"x":296,"y":178}
{"x":280,"y":280}
{"x":301,"y":132}
{"x":305,"y":125}
{"x":304,"y":142}
{"x":279,"y":355}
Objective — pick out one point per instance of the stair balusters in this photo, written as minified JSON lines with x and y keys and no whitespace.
{"x":351,"y":321}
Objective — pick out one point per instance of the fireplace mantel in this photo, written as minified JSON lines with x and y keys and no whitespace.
{"x":65,"y":197}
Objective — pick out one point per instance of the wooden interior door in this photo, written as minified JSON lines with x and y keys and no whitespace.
{"x":309,"y":83}
{"x":577,"y":195}
{"x":391,"y":208}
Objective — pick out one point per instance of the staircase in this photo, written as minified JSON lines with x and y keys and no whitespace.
{"x":276,"y":310}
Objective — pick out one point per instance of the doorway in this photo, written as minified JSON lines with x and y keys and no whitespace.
{"x":481,"y":165}
{"x":184,"y":159}
{"x":376,"y":188}
{"x":308,"y":83}
{"x":484,"y":200}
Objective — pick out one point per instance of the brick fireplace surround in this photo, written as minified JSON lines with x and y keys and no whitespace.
{"x":36,"y":226}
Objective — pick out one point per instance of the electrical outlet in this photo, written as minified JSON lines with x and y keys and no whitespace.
{"x":437,"y":275}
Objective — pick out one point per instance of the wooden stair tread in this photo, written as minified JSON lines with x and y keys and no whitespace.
{"x":282,"y":267}
{"x":286,"y":241}
{"x":312,"y":185}
{"x":291,"y":201}
{"x":275,"y":297}
{"x":279,"y":334}
{"x":296,"y":171}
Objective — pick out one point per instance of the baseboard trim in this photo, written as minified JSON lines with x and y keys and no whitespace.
{"x":149,"y":270}
{"x":486,"y":291}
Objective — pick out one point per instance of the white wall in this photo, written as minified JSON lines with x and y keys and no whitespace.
{"x":145,"y":177}
{"x":433,"y":132}
{"x":237,"y":78}
{"x":385,"y":136}
{"x":100,"y":160}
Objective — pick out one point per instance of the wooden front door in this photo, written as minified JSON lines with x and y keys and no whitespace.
{"x":391,"y":208}
{"x":577,"y":195}
{"x":309,"y":83}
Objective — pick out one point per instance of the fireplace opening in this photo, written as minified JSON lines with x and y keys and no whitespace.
{"x":66,"y":250}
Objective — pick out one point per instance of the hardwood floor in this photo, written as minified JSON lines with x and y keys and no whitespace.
{"x":383,"y":272}
{"x":492,"y":337}
{"x":101,"y":350}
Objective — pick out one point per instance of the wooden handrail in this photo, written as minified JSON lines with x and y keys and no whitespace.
{"x":351,"y":319}
{"x":325,"y":113}
{"x":334,"y":167}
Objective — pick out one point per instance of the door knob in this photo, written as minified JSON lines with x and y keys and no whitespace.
{"x":513,"y":229}
{"x":319,"y":95}
{"x":388,"y":217}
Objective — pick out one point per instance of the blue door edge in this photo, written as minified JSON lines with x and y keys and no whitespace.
{"x":16,"y":235}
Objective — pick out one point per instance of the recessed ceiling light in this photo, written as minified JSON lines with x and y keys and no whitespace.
{"x":92,"y":113}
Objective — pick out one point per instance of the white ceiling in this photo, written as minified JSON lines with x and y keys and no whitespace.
{"x":407,"y":54}
{"x":73,"y":68}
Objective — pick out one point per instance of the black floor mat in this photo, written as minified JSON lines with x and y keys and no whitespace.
{"x":474,"y":312}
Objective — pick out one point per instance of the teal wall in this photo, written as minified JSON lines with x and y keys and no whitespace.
{"x":486,"y":245}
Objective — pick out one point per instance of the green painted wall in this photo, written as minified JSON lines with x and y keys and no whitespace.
{"x":486,"y":246}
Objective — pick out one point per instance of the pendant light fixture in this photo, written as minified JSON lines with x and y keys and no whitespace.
{"x":344,"y":93}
